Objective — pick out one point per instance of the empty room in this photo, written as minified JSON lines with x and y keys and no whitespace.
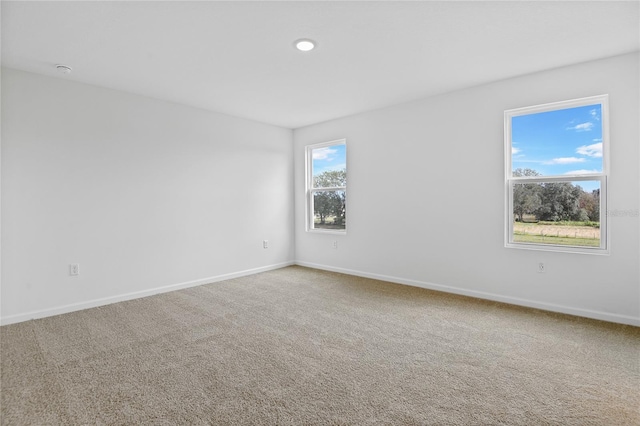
{"x":320,"y":213}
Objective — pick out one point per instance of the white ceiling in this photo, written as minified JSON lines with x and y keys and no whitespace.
{"x":238,"y":57}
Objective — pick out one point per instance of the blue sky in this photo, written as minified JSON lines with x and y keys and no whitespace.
{"x":561,"y":142}
{"x":332,"y":157}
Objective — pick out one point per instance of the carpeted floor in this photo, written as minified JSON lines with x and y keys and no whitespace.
{"x":300,"y":346}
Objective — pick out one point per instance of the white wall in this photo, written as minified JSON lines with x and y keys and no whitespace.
{"x":426,"y":201}
{"x":148,"y":196}
{"x":142,"y":193}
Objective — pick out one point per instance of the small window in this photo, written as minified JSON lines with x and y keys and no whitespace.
{"x":327,"y":186}
{"x":556,"y":176}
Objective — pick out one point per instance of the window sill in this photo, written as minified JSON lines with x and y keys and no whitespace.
{"x":327,"y":231}
{"x":559,"y":249}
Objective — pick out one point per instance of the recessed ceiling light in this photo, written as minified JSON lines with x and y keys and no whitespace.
{"x":64,"y":69}
{"x":305,"y":44}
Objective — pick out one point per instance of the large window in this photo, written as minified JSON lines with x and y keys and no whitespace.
{"x":556,"y":159}
{"x":327,"y":186}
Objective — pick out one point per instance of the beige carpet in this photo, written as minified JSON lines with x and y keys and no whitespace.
{"x":299,"y":346}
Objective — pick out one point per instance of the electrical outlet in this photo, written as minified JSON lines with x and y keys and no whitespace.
{"x":335,"y":245}
{"x":74,"y":269}
{"x":541,"y":268}
{"x":265,"y":244}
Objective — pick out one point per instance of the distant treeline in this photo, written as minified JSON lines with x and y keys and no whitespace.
{"x":554,"y":201}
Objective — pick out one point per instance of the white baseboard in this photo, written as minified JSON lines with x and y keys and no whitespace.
{"x":11,"y":319}
{"x":603,"y":316}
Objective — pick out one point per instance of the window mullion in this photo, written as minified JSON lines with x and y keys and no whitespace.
{"x":329,"y":189}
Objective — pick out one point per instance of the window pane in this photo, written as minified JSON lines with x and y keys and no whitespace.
{"x":557,"y":213}
{"x":329,"y":210}
{"x":329,"y":166}
{"x":555,"y":143}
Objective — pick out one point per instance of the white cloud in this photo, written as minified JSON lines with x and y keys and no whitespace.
{"x":565,"y":160}
{"x":593,"y":150}
{"x":594,"y":114}
{"x":341,"y":166}
{"x":582,"y":172}
{"x":324,"y":153}
{"x":582,"y":127}
{"x":515,"y":150}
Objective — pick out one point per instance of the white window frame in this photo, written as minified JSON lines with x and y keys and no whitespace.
{"x":310,"y":190}
{"x":511,"y":180}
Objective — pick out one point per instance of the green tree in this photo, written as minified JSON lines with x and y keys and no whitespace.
{"x":590,"y":202}
{"x":554,"y":201}
{"x":330,"y":179}
{"x":526,"y":197}
{"x":560,"y":201}
{"x":330,"y":203}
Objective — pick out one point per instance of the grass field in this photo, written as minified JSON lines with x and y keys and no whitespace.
{"x":565,"y":234}
{"x":561,"y":241}
{"x":318,"y":225}
{"x":329,"y":223}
